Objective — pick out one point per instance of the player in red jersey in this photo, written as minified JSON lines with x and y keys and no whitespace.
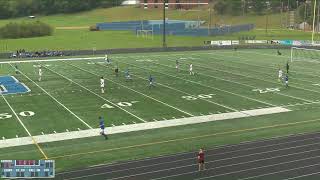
{"x":201,"y":160}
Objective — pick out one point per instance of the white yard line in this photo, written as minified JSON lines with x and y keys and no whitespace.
{"x":283,"y":56}
{"x":32,"y":139}
{"x":256,"y":100}
{"x":50,"y":60}
{"x":114,"y":104}
{"x":166,"y":104}
{"x":238,"y":74}
{"x":55,"y":99}
{"x":221,"y":105}
{"x":141,"y":126}
{"x":274,"y":70}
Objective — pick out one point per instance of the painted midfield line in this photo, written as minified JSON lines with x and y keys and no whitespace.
{"x":134,"y":91}
{"x":224,"y":106}
{"x":25,"y":128}
{"x":114,"y":104}
{"x":256,"y":100}
{"x":54,"y":99}
{"x":294,"y":97}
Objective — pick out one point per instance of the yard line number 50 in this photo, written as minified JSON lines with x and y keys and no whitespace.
{"x":23,"y":114}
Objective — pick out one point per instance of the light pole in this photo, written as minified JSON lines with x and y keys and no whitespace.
{"x":164,"y":43}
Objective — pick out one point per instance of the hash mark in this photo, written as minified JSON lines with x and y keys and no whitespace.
{"x":67,"y":130}
{"x":79,"y":129}
{"x":42,"y":133}
{"x":134,"y":122}
{"x":3,"y":138}
{"x":124,"y":123}
{"x":173,"y":117}
{"x":155,"y":120}
{"x":55,"y":132}
{"x":164,"y":118}
{"x":17,"y":136}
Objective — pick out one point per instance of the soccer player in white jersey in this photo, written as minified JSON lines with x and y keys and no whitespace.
{"x":102,"y":84}
{"x":106,"y":57}
{"x":177,"y":65}
{"x":40,"y":73}
{"x":280,"y":75}
{"x":191,"y":69}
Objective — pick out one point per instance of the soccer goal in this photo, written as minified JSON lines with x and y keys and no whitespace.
{"x":304,"y":54}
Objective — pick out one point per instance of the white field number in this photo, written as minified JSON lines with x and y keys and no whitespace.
{"x":122,"y":104}
{"x":267,"y":90}
{"x":23,"y":114}
{"x":200,"y":96}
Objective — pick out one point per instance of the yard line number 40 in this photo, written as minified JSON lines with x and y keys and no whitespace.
{"x":23,"y":114}
{"x":122,"y":104}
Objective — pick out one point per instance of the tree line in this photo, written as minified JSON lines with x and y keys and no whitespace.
{"x":257,"y":7}
{"x":20,"y":8}
{"x":15,"y":30}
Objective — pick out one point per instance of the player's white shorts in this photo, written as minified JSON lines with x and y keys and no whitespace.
{"x":190,"y":69}
{"x":280,"y":76}
{"x":102,"y":85}
{"x":286,"y":82}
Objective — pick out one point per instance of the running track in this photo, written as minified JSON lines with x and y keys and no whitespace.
{"x":291,"y":157}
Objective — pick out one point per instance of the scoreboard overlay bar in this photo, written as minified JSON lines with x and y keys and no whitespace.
{"x":27,"y":169}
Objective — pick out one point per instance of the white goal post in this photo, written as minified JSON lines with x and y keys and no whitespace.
{"x":304,"y":54}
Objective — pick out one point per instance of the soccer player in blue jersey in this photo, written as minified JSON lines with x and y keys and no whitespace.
{"x":102,"y":127}
{"x":151,"y":81}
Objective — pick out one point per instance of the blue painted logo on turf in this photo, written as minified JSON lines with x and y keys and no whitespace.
{"x":10,"y":85}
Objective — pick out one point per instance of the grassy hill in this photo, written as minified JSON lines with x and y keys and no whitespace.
{"x":128,"y":13}
{"x":72,"y":29}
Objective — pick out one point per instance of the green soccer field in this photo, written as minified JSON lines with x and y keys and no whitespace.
{"x":68,"y":98}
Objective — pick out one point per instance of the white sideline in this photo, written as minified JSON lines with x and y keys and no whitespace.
{"x":50,"y":60}
{"x":139,"y":127}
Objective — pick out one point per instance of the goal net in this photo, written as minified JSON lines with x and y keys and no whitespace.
{"x":304,"y":54}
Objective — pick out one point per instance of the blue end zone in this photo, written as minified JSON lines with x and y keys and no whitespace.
{"x":10,"y":85}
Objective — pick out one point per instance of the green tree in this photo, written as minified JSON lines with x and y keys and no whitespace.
{"x":221,"y":7}
{"x":258,"y":6}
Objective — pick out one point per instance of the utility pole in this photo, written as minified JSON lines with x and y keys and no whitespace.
{"x":164,"y":45}
{"x":209,"y":24}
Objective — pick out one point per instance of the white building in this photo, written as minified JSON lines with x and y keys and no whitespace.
{"x":130,"y":2}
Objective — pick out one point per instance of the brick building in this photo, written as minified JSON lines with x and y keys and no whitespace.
{"x":193,"y":3}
